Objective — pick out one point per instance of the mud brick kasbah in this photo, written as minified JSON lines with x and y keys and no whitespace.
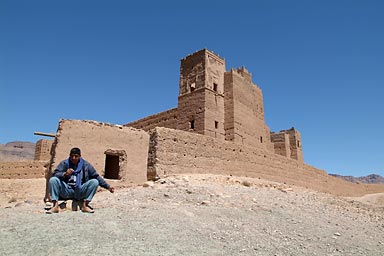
{"x":218,"y":127}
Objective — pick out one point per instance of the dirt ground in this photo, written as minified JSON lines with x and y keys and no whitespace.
{"x":193,"y":215}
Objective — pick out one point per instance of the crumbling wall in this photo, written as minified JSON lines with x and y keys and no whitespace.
{"x":22,"y":170}
{"x":164,"y":119}
{"x":288,"y":143}
{"x":175,"y":152}
{"x":95,"y":138}
{"x":43,"y":149}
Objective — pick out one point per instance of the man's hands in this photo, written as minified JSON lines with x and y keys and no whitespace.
{"x":68,"y":172}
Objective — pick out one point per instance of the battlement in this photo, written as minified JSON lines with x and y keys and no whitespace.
{"x":243,"y":72}
{"x":204,"y":52}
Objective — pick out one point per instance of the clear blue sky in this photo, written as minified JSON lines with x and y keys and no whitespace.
{"x":320,"y":65}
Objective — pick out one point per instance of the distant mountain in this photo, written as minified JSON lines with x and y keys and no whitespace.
{"x":369,"y":179}
{"x":17,"y":151}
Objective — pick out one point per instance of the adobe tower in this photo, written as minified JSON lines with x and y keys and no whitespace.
{"x":201,"y":94}
{"x":226,"y":105}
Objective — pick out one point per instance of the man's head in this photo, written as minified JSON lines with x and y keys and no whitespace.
{"x":74,"y":155}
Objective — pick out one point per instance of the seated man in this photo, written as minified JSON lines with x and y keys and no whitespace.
{"x":75,"y":178}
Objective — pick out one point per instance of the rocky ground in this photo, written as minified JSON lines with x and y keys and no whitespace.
{"x":193,"y":215}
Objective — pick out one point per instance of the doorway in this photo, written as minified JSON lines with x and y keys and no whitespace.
{"x":115,"y":164}
{"x":112,"y":167}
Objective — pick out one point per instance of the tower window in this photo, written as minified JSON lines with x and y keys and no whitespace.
{"x":192,"y":87}
{"x":261,"y":139}
{"x":215,"y":87}
{"x":216,"y":124}
{"x":192,"y":124}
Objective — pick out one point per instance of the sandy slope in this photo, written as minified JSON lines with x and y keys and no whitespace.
{"x":194,"y":215}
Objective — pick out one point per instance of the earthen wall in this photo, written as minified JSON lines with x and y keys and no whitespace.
{"x":214,"y":115}
{"x":43,"y":150}
{"x":192,"y":73}
{"x":22,"y":170}
{"x":191,"y":109}
{"x":166,"y":119}
{"x":94,"y":139}
{"x":245,"y":117}
{"x":295,"y":142}
{"x":176,"y":152}
{"x":281,"y":144}
{"x":288,"y":143}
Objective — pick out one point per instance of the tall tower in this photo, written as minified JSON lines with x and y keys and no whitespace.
{"x":201,"y":95}
{"x":244,"y":110}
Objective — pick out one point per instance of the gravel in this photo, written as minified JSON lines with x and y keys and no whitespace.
{"x":198,"y":215}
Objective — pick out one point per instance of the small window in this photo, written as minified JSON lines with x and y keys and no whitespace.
{"x":215,"y":87}
{"x":261,"y":139}
{"x":192,"y":87}
{"x":216,"y":125}
{"x":298,"y":143}
{"x":192,"y":124}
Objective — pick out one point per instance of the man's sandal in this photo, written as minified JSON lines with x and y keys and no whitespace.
{"x":87,"y":209}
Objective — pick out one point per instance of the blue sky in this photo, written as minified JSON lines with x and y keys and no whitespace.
{"x":320,"y":65}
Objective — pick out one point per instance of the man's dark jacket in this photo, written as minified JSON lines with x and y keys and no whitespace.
{"x":88,"y":170}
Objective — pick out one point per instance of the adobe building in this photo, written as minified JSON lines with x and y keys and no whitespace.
{"x":218,"y":127}
{"x":43,"y":150}
{"x":226,"y":105}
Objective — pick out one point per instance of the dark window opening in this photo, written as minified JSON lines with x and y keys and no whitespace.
{"x":215,"y":87}
{"x":298,"y":143}
{"x":216,"y":124}
{"x":112,"y":167}
{"x":192,"y":124}
{"x":192,"y":87}
{"x":261,"y":139}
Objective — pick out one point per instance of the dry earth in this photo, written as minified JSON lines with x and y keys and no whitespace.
{"x":193,"y":215}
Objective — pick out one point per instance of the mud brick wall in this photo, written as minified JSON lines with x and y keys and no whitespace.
{"x":164,"y":119}
{"x":244,"y":117}
{"x":22,"y":170}
{"x":281,"y":144}
{"x":214,"y":115}
{"x":43,"y":149}
{"x":95,"y":138}
{"x":176,"y":152}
